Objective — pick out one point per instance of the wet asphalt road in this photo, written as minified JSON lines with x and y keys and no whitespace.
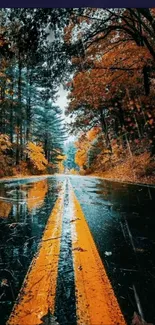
{"x":120,"y":218}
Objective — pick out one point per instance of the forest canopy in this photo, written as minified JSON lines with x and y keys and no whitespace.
{"x":112,"y":92}
{"x":31,"y":123}
{"x":105,"y":58}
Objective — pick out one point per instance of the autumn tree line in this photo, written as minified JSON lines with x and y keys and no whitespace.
{"x":106,"y":60}
{"x":31,"y":125}
{"x":112,"y":92}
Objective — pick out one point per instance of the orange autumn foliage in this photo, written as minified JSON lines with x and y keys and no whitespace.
{"x":36,"y":156}
{"x":60,"y":165}
{"x":5,"y":160}
{"x":5,"y":209}
{"x":83,"y":144}
{"x":118,"y":69}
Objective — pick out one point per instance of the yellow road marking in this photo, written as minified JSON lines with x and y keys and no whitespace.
{"x":39,"y":287}
{"x":96,"y":303}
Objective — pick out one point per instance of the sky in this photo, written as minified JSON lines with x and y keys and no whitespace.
{"x":62,"y":93}
{"x":62,"y":103}
{"x":62,"y":100}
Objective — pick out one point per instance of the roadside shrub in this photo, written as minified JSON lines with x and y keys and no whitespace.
{"x":5,"y":159}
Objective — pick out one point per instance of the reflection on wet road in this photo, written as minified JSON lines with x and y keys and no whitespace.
{"x":121,"y":221}
{"x":24,"y":211}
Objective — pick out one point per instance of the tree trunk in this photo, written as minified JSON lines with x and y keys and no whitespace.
{"x":2,"y":113}
{"x":105,"y":130}
{"x":122,"y":124}
{"x":19,"y":115}
{"x":45,"y":148}
{"x":11,"y":115}
{"x":146,"y":74}
{"x":28,"y":106}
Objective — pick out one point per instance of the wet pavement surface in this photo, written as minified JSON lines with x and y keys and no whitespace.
{"x":65,"y":306}
{"x":121,"y":218}
{"x":24,"y":210}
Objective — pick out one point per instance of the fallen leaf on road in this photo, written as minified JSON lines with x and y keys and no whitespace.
{"x":73,"y":220}
{"x":108,"y":253}
{"x":80,"y":268}
{"x":79,"y":249}
{"x":4,"y":283}
{"x":137,"y":320}
{"x":49,"y":319}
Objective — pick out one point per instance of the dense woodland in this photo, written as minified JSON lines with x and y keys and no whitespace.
{"x":105,"y":58}
{"x":32,"y":126}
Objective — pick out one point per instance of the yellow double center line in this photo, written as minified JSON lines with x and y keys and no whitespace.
{"x":96,"y":303}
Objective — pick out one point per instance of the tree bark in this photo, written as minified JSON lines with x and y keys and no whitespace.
{"x":28,"y":107}
{"x":19,"y":115}
{"x":105,"y":130}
